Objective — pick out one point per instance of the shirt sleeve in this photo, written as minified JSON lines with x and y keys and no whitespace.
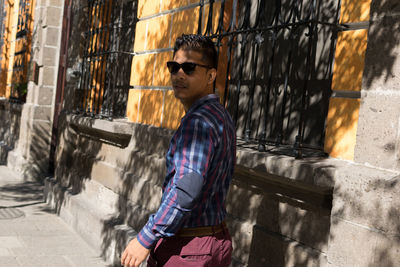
{"x":195,"y":148}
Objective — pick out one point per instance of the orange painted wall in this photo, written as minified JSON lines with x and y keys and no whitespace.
{"x":160,"y":23}
{"x":152,"y":101}
{"x":342,"y":120}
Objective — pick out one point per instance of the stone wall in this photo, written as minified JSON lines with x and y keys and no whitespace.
{"x":378,"y":135}
{"x":10,"y":116}
{"x":281,"y":211}
{"x":31,"y":156}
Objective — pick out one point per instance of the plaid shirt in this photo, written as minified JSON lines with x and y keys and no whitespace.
{"x":204,"y":143}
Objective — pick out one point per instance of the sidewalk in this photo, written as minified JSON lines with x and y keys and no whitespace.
{"x":31,"y":234}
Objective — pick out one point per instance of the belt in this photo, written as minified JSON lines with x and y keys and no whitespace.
{"x":201,"y":231}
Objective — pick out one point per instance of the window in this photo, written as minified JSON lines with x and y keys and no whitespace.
{"x":22,"y":52}
{"x":276,"y":68}
{"x":106,"y":64}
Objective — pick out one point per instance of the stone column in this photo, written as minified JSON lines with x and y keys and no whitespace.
{"x":31,"y":156}
{"x":378,"y":134}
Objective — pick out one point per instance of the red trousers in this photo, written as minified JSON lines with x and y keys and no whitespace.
{"x":206,"y":251}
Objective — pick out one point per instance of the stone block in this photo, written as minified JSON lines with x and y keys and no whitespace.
{"x":355,"y":11}
{"x":349,"y":60}
{"x":107,"y":175}
{"x":341,"y":128}
{"x":150,"y":108}
{"x":52,"y":36}
{"x":142,"y":70}
{"x":55,"y":3}
{"x":142,"y":192}
{"x":387,"y":251}
{"x":368,"y":197}
{"x":158,"y":32}
{"x":278,"y":213}
{"x":382,"y":61}
{"x":352,"y":245}
{"x":147,"y":8}
{"x":7,"y":261}
{"x":162,"y":76}
{"x":48,"y":76}
{"x":114,"y":155}
{"x":53,"y":16}
{"x":269,"y":249}
{"x":32,"y":90}
{"x":46,"y":95}
{"x":42,"y":113}
{"x":132,"y":107}
{"x":173,"y":111}
{"x":378,"y":130}
{"x":184,"y":22}
{"x":100,"y":196}
{"x":140,"y":36}
{"x":379,"y":7}
{"x":241,"y":233}
{"x":171,"y":4}
{"x":149,"y":167}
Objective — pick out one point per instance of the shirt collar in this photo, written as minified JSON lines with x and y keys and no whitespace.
{"x":201,"y":101}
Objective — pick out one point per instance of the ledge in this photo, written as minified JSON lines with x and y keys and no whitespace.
{"x":120,"y":126}
{"x":121,"y":133}
{"x":117,"y":132}
{"x":5,"y":103}
{"x":314,"y":174}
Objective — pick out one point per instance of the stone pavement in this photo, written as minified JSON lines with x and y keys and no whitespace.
{"x":31,"y":234}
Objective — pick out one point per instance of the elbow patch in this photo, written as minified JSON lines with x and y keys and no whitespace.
{"x":189,"y":189}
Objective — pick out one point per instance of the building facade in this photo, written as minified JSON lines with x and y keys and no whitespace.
{"x":312,"y":87}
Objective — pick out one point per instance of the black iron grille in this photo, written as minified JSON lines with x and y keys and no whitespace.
{"x":106,"y":64}
{"x":279,"y":58}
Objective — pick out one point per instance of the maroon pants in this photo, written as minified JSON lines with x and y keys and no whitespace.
{"x":210,"y":251}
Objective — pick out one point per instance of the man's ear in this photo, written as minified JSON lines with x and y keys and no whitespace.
{"x":212,"y":74}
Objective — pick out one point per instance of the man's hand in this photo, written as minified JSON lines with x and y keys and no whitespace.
{"x":134,"y":254}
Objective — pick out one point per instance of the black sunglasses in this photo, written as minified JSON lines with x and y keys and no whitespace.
{"x":187,"y":67}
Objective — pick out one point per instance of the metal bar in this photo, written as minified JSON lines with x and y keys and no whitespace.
{"x":266,"y":96}
{"x":210,"y":16}
{"x":92,"y":94}
{"x":220,"y":27}
{"x":201,"y":5}
{"x":228,"y":68}
{"x":239,"y":82}
{"x":99,"y":71}
{"x":299,"y":137}
{"x":248,"y":125}
{"x":106,"y":107}
{"x":115,"y":65}
{"x":86,"y":66}
{"x":107,"y":9}
{"x":285,"y":92}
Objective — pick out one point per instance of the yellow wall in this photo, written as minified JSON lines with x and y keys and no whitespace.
{"x":348,"y":69}
{"x":154,"y":102}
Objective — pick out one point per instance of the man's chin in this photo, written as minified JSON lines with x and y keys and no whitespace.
{"x":178,"y":95}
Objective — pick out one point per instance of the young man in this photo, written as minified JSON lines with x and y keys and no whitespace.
{"x":188,"y":229}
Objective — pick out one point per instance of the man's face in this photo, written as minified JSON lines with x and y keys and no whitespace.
{"x":190,"y":87}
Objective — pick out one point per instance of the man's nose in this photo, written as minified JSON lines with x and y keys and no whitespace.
{"x":180,"y":74}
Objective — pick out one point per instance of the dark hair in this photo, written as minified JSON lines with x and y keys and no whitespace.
{"x":198,"y":43}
